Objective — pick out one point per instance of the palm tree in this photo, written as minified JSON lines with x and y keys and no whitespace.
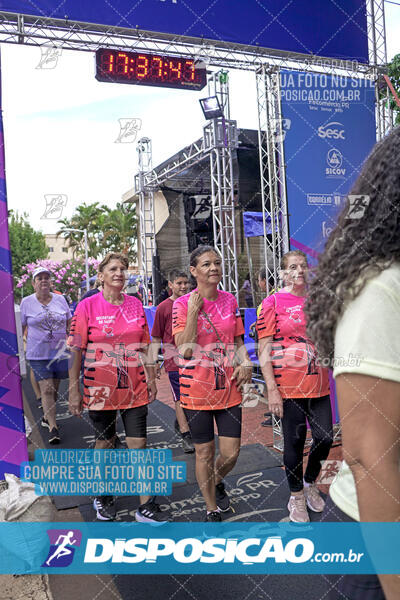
{"x":120,"y":231}
{"x":86,"y":216}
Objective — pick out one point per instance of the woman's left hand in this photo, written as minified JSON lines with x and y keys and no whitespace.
{"x":242,"y":374}
{"x":152,"y":390}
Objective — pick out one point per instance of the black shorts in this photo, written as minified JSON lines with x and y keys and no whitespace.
{"x":174,"y":382}
{"x":201,"y":423}
{"x":134,"y":419}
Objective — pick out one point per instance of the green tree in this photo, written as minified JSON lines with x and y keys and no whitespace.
{"x":121,"y":230}
{"x":27,"y":246}
{"x":109,"y":230}
{"x":86,"y":216}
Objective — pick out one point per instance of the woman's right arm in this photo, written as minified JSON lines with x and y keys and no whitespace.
{"x":189,"y":334}
{"x":275,"y":402}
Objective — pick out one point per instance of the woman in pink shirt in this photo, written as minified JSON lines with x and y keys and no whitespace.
{"x":213,"y":366}
{"x":298,"y":388}
{"x":111,"y":329}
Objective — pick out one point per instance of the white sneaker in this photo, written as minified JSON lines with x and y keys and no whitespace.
{"x":297,"y":509}
{"x":313,"y":498}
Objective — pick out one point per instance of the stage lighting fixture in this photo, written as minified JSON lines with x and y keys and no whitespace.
{"x":211,"y":107}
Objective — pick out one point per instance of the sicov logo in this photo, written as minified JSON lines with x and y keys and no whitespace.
{"x":62,"y":547}
{"x":334,"y":159}
{"x":333,"y":130}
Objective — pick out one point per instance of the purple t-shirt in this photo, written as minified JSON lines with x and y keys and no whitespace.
{"x":46,"y":326}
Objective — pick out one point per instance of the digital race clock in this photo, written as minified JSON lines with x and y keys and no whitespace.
{"x":149,"y":69}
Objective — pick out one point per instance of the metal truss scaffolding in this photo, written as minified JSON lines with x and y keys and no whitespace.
{"x":378,"y":60}
{"x":220,"y":139}
{"x":145,"y":193}
{"x":272,"y":171}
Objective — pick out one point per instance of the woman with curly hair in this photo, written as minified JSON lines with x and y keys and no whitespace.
{"x":298,"y":388}
{"x":353,"y":311}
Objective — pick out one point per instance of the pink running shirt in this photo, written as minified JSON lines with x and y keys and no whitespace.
{"x":111,"y":337}
{"x":293,"y":356}
{"x":205,"y":379}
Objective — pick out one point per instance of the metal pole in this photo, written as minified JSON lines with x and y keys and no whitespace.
{"x":86,"y":260}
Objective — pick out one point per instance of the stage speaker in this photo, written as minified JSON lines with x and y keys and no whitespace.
{"x":198,"y":220}
{"x":248,"y":176}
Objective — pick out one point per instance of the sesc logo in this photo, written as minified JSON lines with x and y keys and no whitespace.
{"x":332,"y":131}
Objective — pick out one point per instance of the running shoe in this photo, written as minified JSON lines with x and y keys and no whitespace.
{"x":44,"y":423}
{"x":213,"y":517}
{"x":222,"y":497}
{"x":187,"y":444}
{"x":297,"y":509}
{"x":267,"y":422}
{"x":105,"y":508}
{"x":150,"y":512}
{"x":313,"y":499}
{"x":54,"y":436}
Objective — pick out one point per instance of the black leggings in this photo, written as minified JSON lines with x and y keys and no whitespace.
{"x":319,"y":415}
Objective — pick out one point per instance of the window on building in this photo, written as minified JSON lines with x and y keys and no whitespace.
{"x":65,"y":249}
{"x":51,"y":249}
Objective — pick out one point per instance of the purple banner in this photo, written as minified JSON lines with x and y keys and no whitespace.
{"x":13,"y":447}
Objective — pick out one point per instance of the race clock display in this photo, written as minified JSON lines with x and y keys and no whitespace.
{"x":116,"y":66}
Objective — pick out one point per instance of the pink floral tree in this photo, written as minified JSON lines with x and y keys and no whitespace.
{"x":67,"y":276}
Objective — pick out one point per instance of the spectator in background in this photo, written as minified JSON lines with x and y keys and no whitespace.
{"x":162,"y":332}
{"x":248,"y":295}
{"x":45,"y":319}
{"x":94,"y":289}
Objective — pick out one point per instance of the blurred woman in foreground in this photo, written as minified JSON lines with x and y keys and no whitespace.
{"x":354,"y":319}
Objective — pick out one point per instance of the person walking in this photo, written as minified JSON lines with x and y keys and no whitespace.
{"x":214,"y":365}
{"x":162,"y":332}
{"x":45,"y":319}
{"x":297,"y":387}
{"x":111,"y":328}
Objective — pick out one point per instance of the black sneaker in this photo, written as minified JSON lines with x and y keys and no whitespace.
{"x":150,"y":512}
{"x":54,"y":436}
{"x":105,"y":508}
{"x":222,"y":497}
{"x":187,"y":444}
{"x":213,"y":517}
{"x":267,"y":422}
{"x":267,"y":414}
{"x":44,"y":423}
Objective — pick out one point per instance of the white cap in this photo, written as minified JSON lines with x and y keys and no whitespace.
{"x":40,"y":270}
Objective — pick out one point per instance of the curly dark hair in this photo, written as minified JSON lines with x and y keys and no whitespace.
{"x":358,"y":248}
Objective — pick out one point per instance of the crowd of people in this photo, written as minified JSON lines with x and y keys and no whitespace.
{"x":350,"y":306}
